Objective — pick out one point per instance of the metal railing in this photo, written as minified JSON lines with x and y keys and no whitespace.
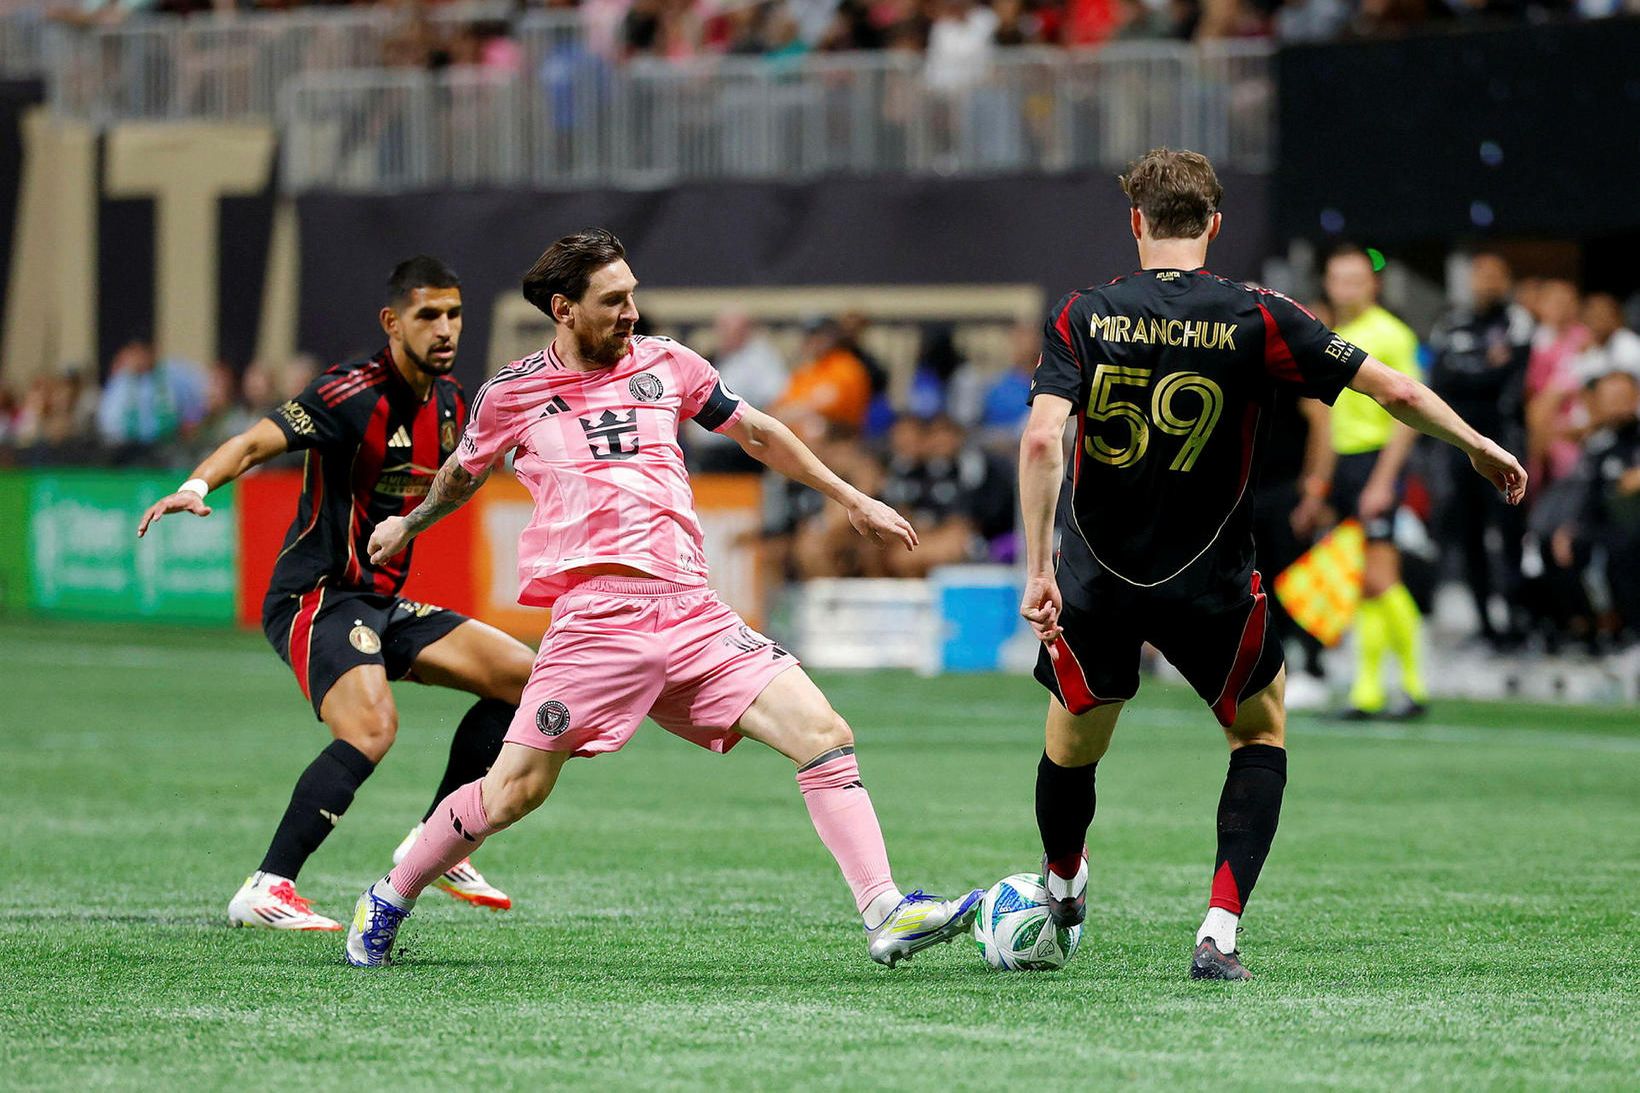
{"x":223,"y":67}
{"x":571,"y":119}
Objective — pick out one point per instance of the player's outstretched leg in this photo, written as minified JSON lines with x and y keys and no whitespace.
{"x":794,"y":718}
{"x":473,"y":749}
{"x":1065,"y":803}
{"x":1249,"y":810}
{"x":520,"y":780}
{"x":358,"y":709}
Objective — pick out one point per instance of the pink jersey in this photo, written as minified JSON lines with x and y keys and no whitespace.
{"x":599,"y":453}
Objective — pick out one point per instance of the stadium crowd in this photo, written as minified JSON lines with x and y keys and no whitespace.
{"x":955,"y":31}
{"x":1552,"y":370}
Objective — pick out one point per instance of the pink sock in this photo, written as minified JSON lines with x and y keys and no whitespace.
{"x":841,"y":810}
{"x":456,"y":828}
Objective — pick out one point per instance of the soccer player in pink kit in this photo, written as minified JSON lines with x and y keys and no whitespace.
{"x":614,"y":549}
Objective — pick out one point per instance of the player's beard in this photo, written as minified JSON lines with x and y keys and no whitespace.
{"x":606,"y":351}
{"x":427,"y":365}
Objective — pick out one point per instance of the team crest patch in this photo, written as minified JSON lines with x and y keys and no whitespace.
{"x":646,"y":387}
{"x":552,"y":718}
{"x":365,"y":640}
{"x":447,"y":435}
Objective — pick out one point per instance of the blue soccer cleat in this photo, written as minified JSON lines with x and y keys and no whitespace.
{"x":376,"y":921}
{"x":919,"y":921}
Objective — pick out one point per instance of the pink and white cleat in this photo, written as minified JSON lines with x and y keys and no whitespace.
{"x":268,"y":902}
{"x":461,"y":880}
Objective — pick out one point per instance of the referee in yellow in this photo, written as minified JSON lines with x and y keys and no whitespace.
{"x":1370,"y":453}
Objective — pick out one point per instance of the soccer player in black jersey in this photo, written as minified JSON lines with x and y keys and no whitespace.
{"x":375,"y":432}
{"x":1170,"y":372}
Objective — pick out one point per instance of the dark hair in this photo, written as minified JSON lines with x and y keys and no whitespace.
{"x":422,"y":271}
{"x":568,"y":265}
{"x":1177,"y":191}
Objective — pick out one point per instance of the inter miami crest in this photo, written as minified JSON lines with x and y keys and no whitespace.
{"x":646,"y":387}
{"x":552,"y":718}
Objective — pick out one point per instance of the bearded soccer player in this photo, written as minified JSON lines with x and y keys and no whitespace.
{"x":614,"y":549}
{"x":375,"y":433}
{"x":1170,"y":372}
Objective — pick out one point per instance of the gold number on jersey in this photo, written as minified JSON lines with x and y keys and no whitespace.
{"x":1101,"y":407}
{"x":1164,"y":411}
{"x":1196,"y":429}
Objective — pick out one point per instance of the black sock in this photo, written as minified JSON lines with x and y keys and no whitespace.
{"x":1249,"y":810}
{"x":322,"y":794}
{"x":1065,"y":801}
{"x":474,"y":746}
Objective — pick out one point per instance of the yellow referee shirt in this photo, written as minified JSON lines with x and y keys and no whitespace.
{"x":1358,"y":423}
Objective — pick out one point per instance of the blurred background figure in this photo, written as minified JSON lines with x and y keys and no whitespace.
{"x":1480,"y":354}
{"x":147,"y":399}
{"x":752,"y":367}
{"x":829,"y":382}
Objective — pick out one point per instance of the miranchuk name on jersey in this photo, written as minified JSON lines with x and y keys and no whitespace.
{"x":1173,"y":373}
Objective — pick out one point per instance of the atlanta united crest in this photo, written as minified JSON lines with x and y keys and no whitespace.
{"x":447,"y":435}
{"x":646,"y":387}
{"x":552,"y":718}
{"x":365,"y":640}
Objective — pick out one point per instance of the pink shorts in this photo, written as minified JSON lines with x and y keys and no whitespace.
{"x":622,"y":647}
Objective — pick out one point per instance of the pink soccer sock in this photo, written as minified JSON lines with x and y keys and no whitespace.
{"x":841,"y":810}
{"x":456,"y":828}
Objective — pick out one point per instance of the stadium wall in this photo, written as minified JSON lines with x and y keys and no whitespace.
{"x":1051,"y":234}
{"x":67,"y":549}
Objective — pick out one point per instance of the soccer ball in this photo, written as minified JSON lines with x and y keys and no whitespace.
{"x":1013,"y":931}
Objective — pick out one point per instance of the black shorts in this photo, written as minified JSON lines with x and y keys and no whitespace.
{"x":326,"y":633}
{"x":1350,"y":476}
{"x":1224,"y":645}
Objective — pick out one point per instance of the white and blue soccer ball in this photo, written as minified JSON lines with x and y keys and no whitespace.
{"x":1013,"y":930}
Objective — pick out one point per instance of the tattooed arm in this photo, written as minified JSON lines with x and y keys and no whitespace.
{"x":452,"y":487}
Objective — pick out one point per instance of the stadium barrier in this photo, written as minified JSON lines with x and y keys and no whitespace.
{"x":571,"y":119}
{"x":68,"y":548}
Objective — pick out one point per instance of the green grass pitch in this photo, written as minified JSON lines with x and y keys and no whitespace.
{"x":1451,"y":905}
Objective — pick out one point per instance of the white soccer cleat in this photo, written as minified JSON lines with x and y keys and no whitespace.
{"x":376,"y":922}
{"x":461,"y":880}
{"x":1067,"y":897}
{"x":267,"y":902}
{"x":919,"y":921}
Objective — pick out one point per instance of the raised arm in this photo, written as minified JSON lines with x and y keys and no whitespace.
{"x":258,"y":444}
{"x":1412,"y":403}
{"x":1041,"y":470}
{"x":768,"y":440}
{"x":453,"y":486}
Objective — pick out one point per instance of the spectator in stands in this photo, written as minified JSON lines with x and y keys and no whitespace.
{"x":56,"y":412}
{"x":147,"y":399}
{"x":852,"y":326}
{"x":1611,"y":346}
{"x":1004,"y":404}
{"x":812,"y":533}
{"x":1480,"y":354}
{"x":1553,"y":402}
{"x":226,"y":414}
{"x":961,"y":42}
{"x":752,"y":367}
{"x":1608,"y":516}
{"x":944,"y":382}
{"x":959,"y":498}
{"x":831,"y":382}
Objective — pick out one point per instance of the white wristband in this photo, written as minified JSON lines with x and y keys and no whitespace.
{"x":195,"y":485}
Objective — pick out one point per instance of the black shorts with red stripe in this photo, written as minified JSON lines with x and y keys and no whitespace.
{"x":1222,"y":644}
{"x":326,"y":633}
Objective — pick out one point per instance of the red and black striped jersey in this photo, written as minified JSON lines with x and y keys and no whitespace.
{"x":373,"y":448}
{"x":1173,"y":374}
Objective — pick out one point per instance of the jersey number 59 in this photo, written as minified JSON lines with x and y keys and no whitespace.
{"x":1166,"y":414}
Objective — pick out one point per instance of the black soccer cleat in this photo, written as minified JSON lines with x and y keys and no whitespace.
{"x":1067,"y":899}
{"x":1209,"y":963}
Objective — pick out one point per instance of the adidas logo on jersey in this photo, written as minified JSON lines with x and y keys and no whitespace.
{"x":400,"y":439}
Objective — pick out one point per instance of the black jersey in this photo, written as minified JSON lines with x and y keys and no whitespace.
{"x":372,"y":450}
{"x":1174,"y":374}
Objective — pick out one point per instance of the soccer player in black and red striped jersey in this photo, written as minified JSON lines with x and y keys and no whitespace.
{"x":1170,"y":372}
{"x":375,"y":433}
